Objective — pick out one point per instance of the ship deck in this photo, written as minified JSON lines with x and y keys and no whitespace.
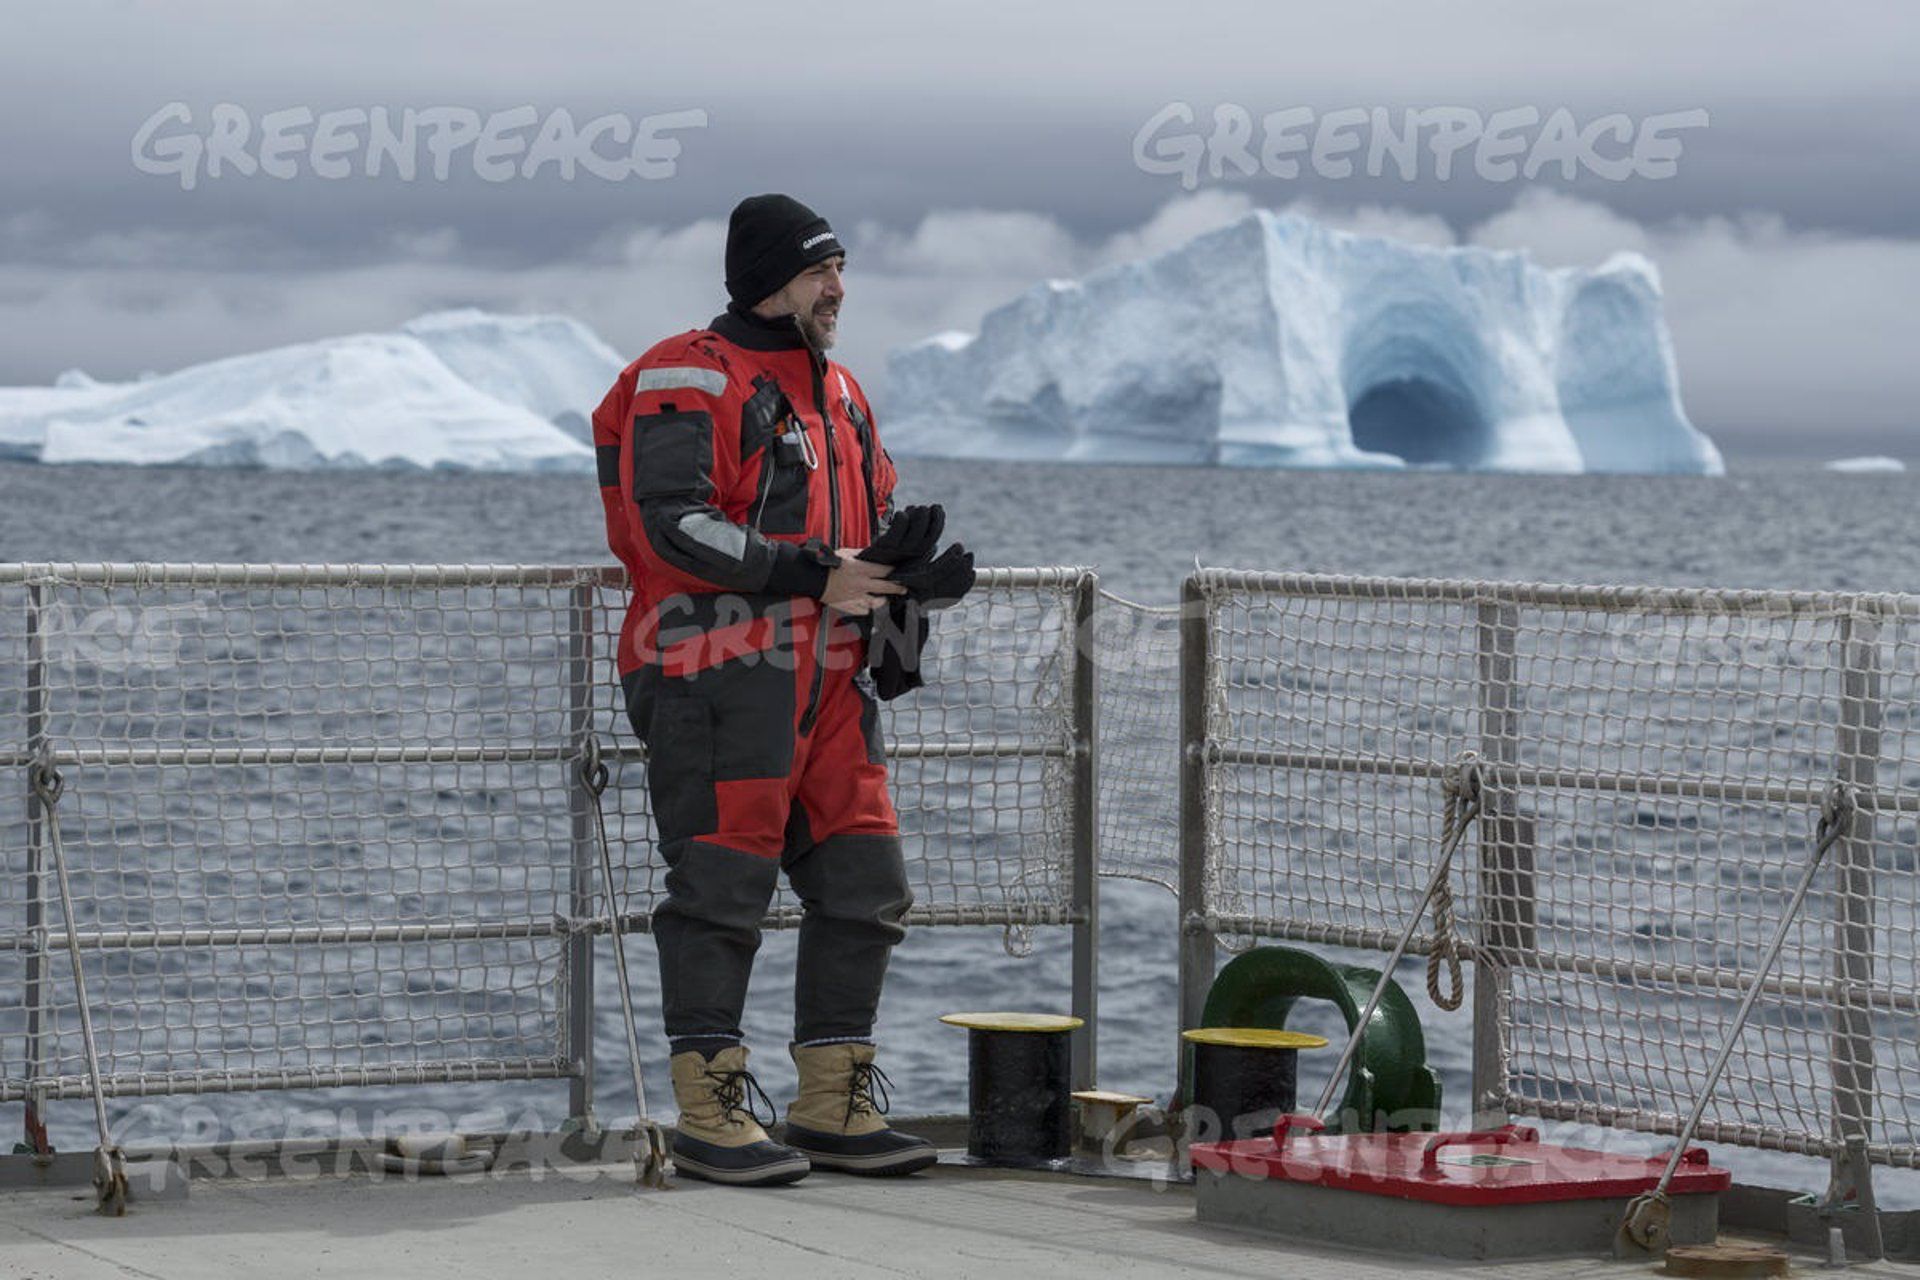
{"x":946,"y":1222}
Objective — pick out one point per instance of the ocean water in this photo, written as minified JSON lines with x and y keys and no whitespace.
{"x":1780,"y":525}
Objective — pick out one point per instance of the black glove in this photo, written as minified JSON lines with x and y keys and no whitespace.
{"x":912,"y":535}
{"x":897,"y":635}
{"x":941,"y":582}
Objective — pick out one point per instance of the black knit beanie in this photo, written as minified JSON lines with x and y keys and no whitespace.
{"x":770,"y":240}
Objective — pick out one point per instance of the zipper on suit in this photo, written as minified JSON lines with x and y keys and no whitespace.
{"x":833,"y":455}
{"x":766,"y":481}
{"x":866,"y":458}
{"x":815,"y":361}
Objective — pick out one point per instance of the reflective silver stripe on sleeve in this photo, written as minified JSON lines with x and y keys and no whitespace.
{"x":710,"y":531}
{"x":674,"y":377}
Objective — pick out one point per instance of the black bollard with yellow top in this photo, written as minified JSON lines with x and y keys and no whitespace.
{"x":1245,"y":1078}
{"x":1019,"y":1086}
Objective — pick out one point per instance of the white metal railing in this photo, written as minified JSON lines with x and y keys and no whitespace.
{"x":324,"y":824}
{"x":1653,"y":765}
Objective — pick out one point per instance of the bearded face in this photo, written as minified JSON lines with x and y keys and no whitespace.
{"x":813,"y":299}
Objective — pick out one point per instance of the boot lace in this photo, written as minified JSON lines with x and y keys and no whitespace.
{"x":867,"y":1090}
{"x":737,"y":1092}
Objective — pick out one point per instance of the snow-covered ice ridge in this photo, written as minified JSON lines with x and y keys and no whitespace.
{"x":1276,"y":341}
{"x":464,"y":390}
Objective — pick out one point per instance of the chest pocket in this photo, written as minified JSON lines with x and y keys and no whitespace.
{"x":771,"y":430}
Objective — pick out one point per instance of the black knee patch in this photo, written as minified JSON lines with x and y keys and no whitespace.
{"x":856,"y":878}
{"x":680,"y":769}
{"x":717,"y":885}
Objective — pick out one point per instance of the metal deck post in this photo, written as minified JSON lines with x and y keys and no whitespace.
{"x":1086,"y":836}
{"x":1506,"y":863}
{"x":1196,"y":941}
{"x":1856,"y":762}
{"x":586,"y":859}
{"x":34,"y":1118}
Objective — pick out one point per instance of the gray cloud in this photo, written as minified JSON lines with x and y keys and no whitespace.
{"x":965,"y":150}
{"x":887,"y":111}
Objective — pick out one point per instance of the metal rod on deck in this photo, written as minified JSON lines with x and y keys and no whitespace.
{"x":36,"y":937}
{"x":524,"y":753}
{"x":100,"y":574}
{"x":1616,"y":599}
{"x":1645,"y":1222}
{"x":1462,"y":811}
{"x":1857,"y":763}
{"x":292,"y":935}
{"x":1197,"y":946}
{"x":1666,"y":786}
{"x":109,"y":1171}
{"x":152,"y":1083}
{"x":1506,"y":862}
{"x":581,"y":869}
{"x":1086,"y":836}
{"x":652,"y":1163}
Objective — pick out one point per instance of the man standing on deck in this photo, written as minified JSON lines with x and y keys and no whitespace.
{"x":751,"y":501}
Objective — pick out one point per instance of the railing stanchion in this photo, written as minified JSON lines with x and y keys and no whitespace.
{"x":33,"y":1116}
{"x":1856,"y":760}
{"x":585,"y":861}
{"x":1086,"y":836}
{"x":1197,"y":952}
{"x":1506,"y":917}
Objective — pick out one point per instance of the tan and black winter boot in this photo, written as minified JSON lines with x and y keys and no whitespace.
{"x":717,"y":1137}
{"x":836,"y":1120}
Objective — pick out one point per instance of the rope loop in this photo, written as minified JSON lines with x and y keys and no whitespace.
{"x":594,"y":775}
{"x":593,"y":769}
{"x":1837,"y":808}
{"x":1460,"y":784}
{"x":46,"y":781}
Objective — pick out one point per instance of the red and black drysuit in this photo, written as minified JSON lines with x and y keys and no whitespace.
{"x":733,"y":460}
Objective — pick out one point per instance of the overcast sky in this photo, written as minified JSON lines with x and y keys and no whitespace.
{"x":963,"y":150}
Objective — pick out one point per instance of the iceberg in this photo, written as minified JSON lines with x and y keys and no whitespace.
{"x":464,"y":390}
{"x":1873,"y":463}
{"x":552,"y":365}
{"x":1275,"y":341}
{"x":25,"y":412}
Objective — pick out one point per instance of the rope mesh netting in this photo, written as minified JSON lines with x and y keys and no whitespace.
{"x":323,"y":823}
{"x":1136,"y":650}
{"x":1654,"y":765}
